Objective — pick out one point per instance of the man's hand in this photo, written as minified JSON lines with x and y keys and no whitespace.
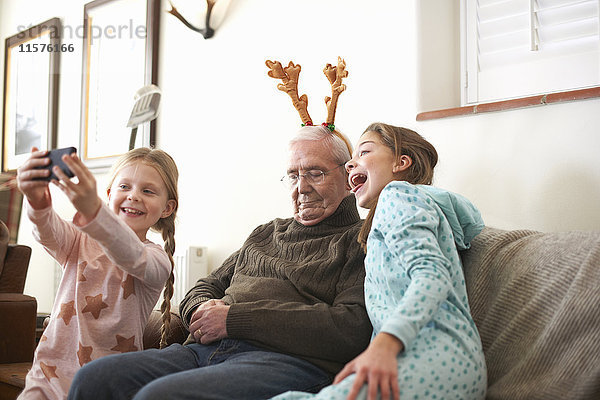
{"x":377,"y":366}
{"x":209,"y":322}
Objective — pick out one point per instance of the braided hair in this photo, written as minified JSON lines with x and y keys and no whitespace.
{"x":167,"y":169}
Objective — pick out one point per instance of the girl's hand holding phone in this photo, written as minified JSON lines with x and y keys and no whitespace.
{"x":31,"y":179}
{"x":82,"y":194}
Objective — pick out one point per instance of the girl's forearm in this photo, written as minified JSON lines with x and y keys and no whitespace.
{"x":388,"y":342}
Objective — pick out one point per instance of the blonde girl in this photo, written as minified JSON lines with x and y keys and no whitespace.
{"x":112,"y":274}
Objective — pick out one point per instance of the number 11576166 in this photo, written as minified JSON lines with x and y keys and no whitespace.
{"x":41,"y":47}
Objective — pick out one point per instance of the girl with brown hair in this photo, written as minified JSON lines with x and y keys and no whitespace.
{"x":424,"y":343}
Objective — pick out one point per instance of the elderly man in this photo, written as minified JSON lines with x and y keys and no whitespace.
{"x":284,"y":312}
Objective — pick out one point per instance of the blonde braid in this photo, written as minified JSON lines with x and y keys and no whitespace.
{"x":167,"y":169}
{"x":168,"y":233}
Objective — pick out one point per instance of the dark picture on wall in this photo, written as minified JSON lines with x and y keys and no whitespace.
{"x":31,"y":72}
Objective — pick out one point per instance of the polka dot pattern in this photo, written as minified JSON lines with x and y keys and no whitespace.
{"x":415,"y":290}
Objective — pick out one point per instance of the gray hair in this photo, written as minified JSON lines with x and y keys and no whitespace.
{"x":339,"y":149}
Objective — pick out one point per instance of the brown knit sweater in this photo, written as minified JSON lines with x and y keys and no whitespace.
{"x":295,"y":289}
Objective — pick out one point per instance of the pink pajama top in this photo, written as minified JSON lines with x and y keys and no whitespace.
{"x":111,"y":282}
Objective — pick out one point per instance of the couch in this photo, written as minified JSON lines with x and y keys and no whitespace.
{"x":535,"y":298}
{"x":17,"y":314}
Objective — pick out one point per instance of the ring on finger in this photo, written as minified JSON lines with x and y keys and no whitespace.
{"x":199,"y":332}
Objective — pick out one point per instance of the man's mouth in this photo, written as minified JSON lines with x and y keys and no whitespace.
{"x":309,"y":204}
{"x":131,"y":211}
{"x":357,"y":181}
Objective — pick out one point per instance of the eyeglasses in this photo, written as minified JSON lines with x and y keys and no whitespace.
{"x":313,"y":177}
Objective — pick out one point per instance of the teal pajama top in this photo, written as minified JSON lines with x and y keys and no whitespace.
{"x":415,"y":290}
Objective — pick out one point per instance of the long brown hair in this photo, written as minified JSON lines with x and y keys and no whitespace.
{"x":167,"y":169}
{"x":402,"y":141}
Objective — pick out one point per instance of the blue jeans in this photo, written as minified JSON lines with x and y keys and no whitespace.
{"x":228,"y":369}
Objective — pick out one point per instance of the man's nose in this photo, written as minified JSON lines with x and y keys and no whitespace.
{"x":303,"y":186}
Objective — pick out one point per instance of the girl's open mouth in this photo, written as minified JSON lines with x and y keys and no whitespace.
{"x":356,"y":181}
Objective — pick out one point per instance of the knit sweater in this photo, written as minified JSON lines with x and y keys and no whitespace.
{"x":295,"y":289}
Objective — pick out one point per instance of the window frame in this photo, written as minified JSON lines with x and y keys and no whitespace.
{"x":540,"y":99}
{"x":482,"y":66}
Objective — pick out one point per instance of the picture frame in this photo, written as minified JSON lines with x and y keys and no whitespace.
{"x":11,"y":204}
{"x":31,"y":80}
{"x":128,"y":31}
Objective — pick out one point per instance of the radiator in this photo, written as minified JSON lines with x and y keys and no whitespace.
{"x":190,"y":266}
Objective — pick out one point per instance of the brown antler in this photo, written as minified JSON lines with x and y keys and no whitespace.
{"x":335,"y":75}
{"x":289,"y":77}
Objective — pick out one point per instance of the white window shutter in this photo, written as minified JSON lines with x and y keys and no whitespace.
{"x":518,"y":48}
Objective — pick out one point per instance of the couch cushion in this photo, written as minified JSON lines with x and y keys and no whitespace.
{"x":14,"y":272}
{"x":4,"y":236}
{"x":17,"y":335}
{"x":534,"y":297}
{"x":177,"y":332}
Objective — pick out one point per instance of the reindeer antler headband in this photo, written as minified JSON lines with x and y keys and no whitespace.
{"x":289,"y":77}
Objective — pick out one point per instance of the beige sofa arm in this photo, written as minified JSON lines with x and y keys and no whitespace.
{"x":534,"y":297}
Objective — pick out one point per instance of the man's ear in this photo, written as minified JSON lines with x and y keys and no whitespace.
{"x":402,"y":164}
{"x":169,"y":208}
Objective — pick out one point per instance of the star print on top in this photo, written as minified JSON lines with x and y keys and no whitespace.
{"x":110,"y":284}
{"x":80,"y":270}
{"x":125,"y":345}
{"x":94,"y":305}
{"x":67,"y":311}
{"x":128,"y":286}
{"x":49,"y":371}
{"x":84,"y":354}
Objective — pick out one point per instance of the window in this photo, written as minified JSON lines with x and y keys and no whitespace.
{"x":518,"y":48}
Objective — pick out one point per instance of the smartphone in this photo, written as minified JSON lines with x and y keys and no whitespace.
{"x":55,"y":157}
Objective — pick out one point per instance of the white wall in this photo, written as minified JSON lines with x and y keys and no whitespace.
{"x":227,"y":125}
{"x":15,"y":14}
{"x":531,"y":168}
